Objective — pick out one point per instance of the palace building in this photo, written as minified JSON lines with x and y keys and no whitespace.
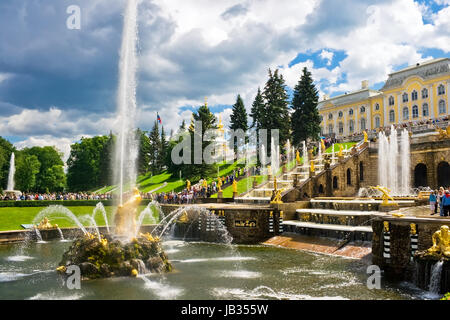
{"x":414,"y":94}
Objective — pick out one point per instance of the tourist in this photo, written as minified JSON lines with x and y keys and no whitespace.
{"x":433,"y":202}
{"x":446,"y":203}
{"x":441,"y":202}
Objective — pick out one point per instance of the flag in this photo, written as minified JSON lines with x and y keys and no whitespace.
{"x":159,"y":118}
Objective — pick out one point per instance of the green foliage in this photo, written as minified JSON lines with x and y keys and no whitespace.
{"x":238,"y":120}
{"x":6,"y":148}
{"x":84,"y":163}
{"x":155,"y":150}
{"x":446,"y":296}
{"x":144,"y":152}
{"x":305,"y":119}
{"x":257,"y":115}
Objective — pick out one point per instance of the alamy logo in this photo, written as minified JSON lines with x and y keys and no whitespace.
{"x":73,"y":22}
{"x":374,"y":280}
{"x":73,"y":279}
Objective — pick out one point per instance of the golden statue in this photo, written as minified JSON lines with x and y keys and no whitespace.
{"x":313,"y":169}
{"x":386,"y":226}
{"x":219,"y":184}
{"x":444,"y":134}
{"x":234,"y":186}
{"x":297,"y":157}
{"x":413,"y":228}
{"x":277,"y":197}
{"x":269,"y":170}
{"x":366,"y":137}
{"x":184,"y":217}
{"x":188,"y":185}
{"x":275,"y":183}
{"x":205,"y":183}
{"x":441,"y":243}
{"x":385,"y":195}
{"x":45,"y":224}
{"x":125,"y":217}
{"x":323,"y":145}
{"x":341,"y":150}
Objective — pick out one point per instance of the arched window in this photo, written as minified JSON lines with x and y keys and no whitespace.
{"x":405,"y":97}
{"x":351,"y":126}
{"x":392,"y":116}
{"x":424,"y":93}
{"x":414,"y":95}
{"x":335,"y":182}
{"x":349,"y":177}
{"x":361,"y":171}
{"x":341,"y":128}
{"x":350,"y":112}
{"x":362,"y":109}
{"x":442,"y":108}
{"x":420,"y":175}
{"x":391,"y":101}
{"x":321,"y":189}
{"x":377,"y":122}
{"x":377,"y":107}
{"x":443,"y":174}
{"x":405,"y":113}
{"x":363,"y":124}
{"x":330,"y":116}
{"x":340,"y":114}
{"x":425,"y":110}
{"x":330,"y":128}
{"x":321,"y":131}
{"x":415,"y":111}
{"x":441,"y":89}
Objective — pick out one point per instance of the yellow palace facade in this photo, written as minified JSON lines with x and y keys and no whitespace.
{"x":413,"y":94}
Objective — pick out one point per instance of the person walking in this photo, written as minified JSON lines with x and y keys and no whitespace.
{"x":446,"y":203}
{"x":433,"y":202}
{"x":440,"y":200}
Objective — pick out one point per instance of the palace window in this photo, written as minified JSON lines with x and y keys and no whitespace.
{"x":442,"y":107}
{"x":341,"y":128}
{"x":330,"y":116}
{"x":415,"y":111}
{"x":350,"y":112}
{"x":414,"y":95}
{"x":425,"y":110}
{"x":391,"y":101}
{"x":377,"y":107}
{"x":441,"y":89}
{"x":405,"y":97}
{"x":392,"y":116}
{"x":330,"y":128}
{"x":363,"y":124}
{"x":405,"y":113}
{"x":377,"y":122}
{"x":340,"y":114}
{"x":351,"y":126}
{"x":362,"y":109}
{"x":424,"y":93}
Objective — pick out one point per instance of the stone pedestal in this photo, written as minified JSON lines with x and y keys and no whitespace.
{"x":311,"y":174}
{"x":284,"y":169}
{"x":269,"y":177}
{"x":341,"y":159}
{"x":255,"y":183}
{"x":235,"y":194}
{"x":220,"y":194}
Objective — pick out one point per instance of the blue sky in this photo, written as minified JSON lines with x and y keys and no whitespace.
{"x":57,"y":85}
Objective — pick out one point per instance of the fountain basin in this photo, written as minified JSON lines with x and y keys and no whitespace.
{"x":426,"y":265}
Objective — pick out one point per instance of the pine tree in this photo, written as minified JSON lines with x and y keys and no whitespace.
{"x":256,"y":113}
{"x":305,"y":118}
{"x":276,"y":111}
{"x":163,"y":151}
{"x":238,"y":121}
{"x":143,"y":161}
{"x":155,"y":148}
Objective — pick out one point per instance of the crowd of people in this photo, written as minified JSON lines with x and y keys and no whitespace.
{"x":55,"y":196}
{"x":440,"y":199}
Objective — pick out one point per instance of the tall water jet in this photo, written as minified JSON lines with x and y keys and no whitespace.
{"x":394,"y":162}
{"x":12,"y":171}
{"x":126,"y":150}
{"x":305,"y":154}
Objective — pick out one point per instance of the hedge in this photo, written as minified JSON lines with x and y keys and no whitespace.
{"x":66,"y":203}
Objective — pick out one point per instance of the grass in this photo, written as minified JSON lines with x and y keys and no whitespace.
{"x":349,"y":145}
{"x":243,"y":185}
{"x":12,"y":218}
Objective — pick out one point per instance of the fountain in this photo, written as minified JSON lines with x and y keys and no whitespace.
{"x":12,"y":170}
{"x":393,"y":162}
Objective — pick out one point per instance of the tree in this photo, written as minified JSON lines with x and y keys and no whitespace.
{"x":155,"y":149}
{"x":51,"y":175}
{"x":305,"y":118}
{"x":276,"y":111}
{"x":6,"y":148}
{"x":143,"y":161}
{"x":106,"y":172}
{"x":27,"y":167}
{"x":164,"y":148}
{"x":257,"y":113}
{"x":84,"y":163}
{"x":238,"y":121}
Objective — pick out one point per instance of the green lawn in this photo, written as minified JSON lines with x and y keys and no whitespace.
{"x":242,"y":186}
{"x":349,"y":145}
{"x":12,"y":218}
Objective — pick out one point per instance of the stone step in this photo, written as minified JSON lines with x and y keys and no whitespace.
{"x":337,"y":212}
{"x":335,"y":227}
